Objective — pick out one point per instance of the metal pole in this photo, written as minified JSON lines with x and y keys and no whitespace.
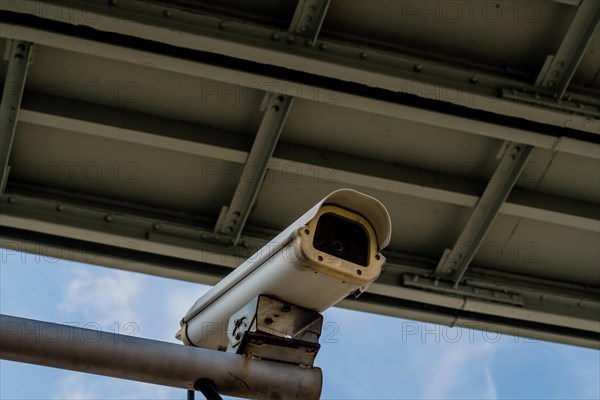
{"x":144,"y":360}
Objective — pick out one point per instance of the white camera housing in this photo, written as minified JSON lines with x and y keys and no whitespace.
{"x":330,"y":252}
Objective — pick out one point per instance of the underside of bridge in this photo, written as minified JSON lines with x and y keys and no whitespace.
{"x":176,"y":138}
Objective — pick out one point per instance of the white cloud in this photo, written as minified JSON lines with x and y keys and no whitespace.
{"x":462,"y":370}
{"x":103,"y":297}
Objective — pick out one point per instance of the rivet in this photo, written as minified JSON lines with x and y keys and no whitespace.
{"x":168,"y":13}
{"x":156,"y":227}
{"x":536,"y":96}
{"x":291,"y":38}
{"x":473,"y":79}
{"x":11,"y":200}
{"x":275,"y":36}
{"x":364,"y":55}
{"x":323,"y":46}
{"x":113,"y":2}
{"x":222,"y":25}
{"x":60,"y":207}
{"x":108,"y":218}
{"x":418,"y":68}
{"x":551,"y":83}
{"x":559,"y":64}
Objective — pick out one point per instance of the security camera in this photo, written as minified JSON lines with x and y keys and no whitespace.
{"x":330,"y":252}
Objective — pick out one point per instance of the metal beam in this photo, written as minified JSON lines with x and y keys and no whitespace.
{"x":351,"y":170}
{"x":349,"y":62}
{"x":133,"y":358}
{"x":308,"y":18}
{"x":455,"y":261}
{"x":232,"y":219}
{"x":558,"y":70}
{"x":311,"y":92}
{"x":14,"y":85}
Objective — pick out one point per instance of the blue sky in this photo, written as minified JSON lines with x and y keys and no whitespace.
{"x":364,"y":356}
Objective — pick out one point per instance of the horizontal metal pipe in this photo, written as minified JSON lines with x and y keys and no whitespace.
{"x":144,"y":360}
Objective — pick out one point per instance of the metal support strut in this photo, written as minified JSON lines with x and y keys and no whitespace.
{"x":11,"y":102}
{"x":455,"y":261}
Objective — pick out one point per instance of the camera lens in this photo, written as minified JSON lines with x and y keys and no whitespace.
{"x":342,"y":238}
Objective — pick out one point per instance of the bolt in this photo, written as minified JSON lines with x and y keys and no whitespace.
{"x":418,"y":68}
{"x":536,"y":96}
{"x":290,"y":38}
{"x":476,"y":291}
{"x":436,"y":282}
{"x":559,"y":64}
{"x":108,"y":218}
{"x":364,"y":55}
{"x":308,"y":43}
{"x":113,"y":2}
{"x":323,"y":46}
{"x":222,"y":25}
{"x":168,"y":13}
{"x":473,"y":79}
{"x":496,"y":294}
{"x":156,"y":227}
{"x":415,"y":278}
{"x":11,"y":200}
{"x":304,"y":29}
{"x":60,"y":207}
{"x":514,"y":297}
{"x":275,"y":36}
{"x":551,"y":83}
{"x":580,"y":105}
